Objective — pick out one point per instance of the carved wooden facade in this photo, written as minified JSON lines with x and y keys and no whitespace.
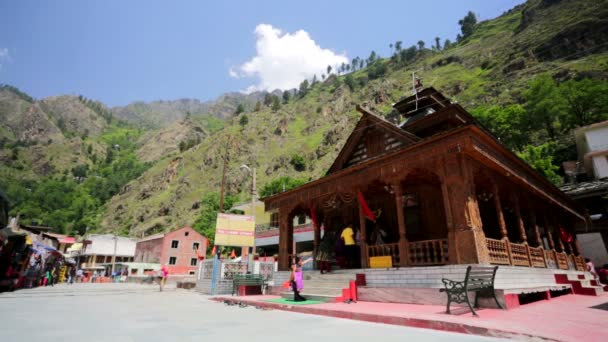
{"x":448,"y":193}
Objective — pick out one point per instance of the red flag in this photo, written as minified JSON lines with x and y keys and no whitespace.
{"x":232,"y":255}
{"x":565,"y":236}
{"x":213,"y":251}
{"x":365,"y":208}
{"x":313,"y":216}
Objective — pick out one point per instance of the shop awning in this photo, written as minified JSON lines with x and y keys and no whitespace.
{"x":68,"y":240}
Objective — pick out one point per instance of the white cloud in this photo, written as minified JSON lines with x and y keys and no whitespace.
{"x":284,"y":60}
{"x":4,"y":56}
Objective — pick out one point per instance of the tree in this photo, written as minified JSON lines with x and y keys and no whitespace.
{"x":467,"y":25}
{"x":354,"y":63}
{"x":279,"y":185}
{"x":276,"y":103}
{"x":258,"y":106}
{"x":438,"y":43}
{"x":244,"y":120}
{"x":447,"y":44}
{"x":376,"y":70}
{"x":540,"y":159}
{"x":543,"y":104}
{"x":420,"y":45}
{"x":328,"y":70}
{"x":398,"y":46}
{"x":350,"y":82}
{"x":267,"y":99}
{"x":323,"y":77}
{"x":314,"y":80}
{"x":286,"y":96}
{"x":303,"y":88}
{"x":239,"y":109}
{"x":506,"y":123}
{"x":298,"y":162}
{"x":347,"y":67}
{"x":372,"y":58}
{"x":361,"y":63}
{"x":586,"y":102}
{"x":391,"y":47}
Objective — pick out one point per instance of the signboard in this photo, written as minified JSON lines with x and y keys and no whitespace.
{"x":235,"y":230}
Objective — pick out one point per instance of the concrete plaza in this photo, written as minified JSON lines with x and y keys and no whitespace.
{"x":132,"y":312}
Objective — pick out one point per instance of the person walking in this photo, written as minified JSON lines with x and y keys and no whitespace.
{"x":164,"y":272}
{"x":325,"y":250}
{"x":296,"y":278}
{"x":348,"y":236}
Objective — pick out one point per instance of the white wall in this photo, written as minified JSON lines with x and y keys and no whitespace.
{"x":597,"y":139}
{"x":600,"y":166}
{"x":593,"y":247}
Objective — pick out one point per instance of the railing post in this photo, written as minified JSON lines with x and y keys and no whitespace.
{"x":528,"y":253}
{"x":509,"y":252}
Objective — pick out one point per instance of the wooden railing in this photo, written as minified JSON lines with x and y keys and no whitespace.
{"x":562,"y":260}
{"x":499,"y":251}
{"x":428,"y":252}
{"x":580,"y":263}
{"x":519,"y":254}
{"x":391,"y":249}
{"x":537,"y":257}
{"x":550,"y":257}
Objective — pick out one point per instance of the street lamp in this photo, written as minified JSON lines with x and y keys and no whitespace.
{"x":253,"y":195}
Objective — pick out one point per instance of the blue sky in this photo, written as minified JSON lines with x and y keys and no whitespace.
{"x":124,"y":51}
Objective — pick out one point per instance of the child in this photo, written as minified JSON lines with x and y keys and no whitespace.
{"x":296,"y":278}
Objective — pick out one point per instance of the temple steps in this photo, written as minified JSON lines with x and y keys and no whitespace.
{"x":326,"y":287}
{"x":581,"y":284}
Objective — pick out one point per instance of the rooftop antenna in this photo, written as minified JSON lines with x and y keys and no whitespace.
{"x":416,"y":86}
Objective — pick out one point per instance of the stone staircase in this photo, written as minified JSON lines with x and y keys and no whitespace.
{"x":582,"y":284}
{"x":328,"y":287}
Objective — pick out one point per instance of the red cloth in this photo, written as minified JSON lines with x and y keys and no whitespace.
{"x":313,"y":216}
{"x":365,"y":208}
{"x":565,"y":236}
{"x":213,"y":251}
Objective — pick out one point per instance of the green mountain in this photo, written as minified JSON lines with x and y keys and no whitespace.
{"x":530,"y":76}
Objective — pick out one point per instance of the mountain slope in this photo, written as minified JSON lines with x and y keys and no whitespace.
{"x":492,"y":66}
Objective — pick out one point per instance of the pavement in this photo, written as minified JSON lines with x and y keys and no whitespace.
{"x":565,"y":318}
{"x":134,"y":312}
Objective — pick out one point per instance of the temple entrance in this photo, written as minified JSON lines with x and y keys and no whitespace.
{"x":423,"y":208}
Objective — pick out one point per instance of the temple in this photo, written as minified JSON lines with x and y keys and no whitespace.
{"x":444,"y":190}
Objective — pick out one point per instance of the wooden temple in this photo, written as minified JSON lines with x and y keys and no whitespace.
{"x":448,"y":192}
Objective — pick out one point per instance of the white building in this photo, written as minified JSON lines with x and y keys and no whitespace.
{"x":592,"y":145}
{"x":99,"y":249}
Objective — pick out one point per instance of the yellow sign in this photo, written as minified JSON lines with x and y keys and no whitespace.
{"x":235,"y":230}
{"x":381,"y":262}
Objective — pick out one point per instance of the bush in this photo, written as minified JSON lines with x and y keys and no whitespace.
{"x":298,"y":162}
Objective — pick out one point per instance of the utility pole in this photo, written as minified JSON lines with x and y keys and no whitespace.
{"x":224,"y":177}
{"x":114,"y":256}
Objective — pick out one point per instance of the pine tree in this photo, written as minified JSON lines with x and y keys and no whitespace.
{"x":286,"y":96}
{"x":437,"y":43}
{"x":328,"y":70}
{"x":467,"y":25}
{"x":420,"y":45}
{"x":276,"y":103}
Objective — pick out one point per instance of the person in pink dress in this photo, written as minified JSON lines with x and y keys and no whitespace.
{"x":296,"y":278}
{"x":164,"y":273}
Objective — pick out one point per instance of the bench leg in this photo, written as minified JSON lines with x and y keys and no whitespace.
{"x":469,"y":304}
{"x":447,"y":309}
{"x":476,"y":305}
{"x":497,"y":303}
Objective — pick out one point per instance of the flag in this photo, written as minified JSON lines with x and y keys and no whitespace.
{"x":213,"y":251}
{"x":565,"y":236}
{"x":365,"y":208}
{"x":232,"y":255}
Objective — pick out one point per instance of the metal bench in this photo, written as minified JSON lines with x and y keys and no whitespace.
{"x":247,"y":279}
{"x":477,"y":279}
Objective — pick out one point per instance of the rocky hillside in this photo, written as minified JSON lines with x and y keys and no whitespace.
{"x":494,"y":65}
{"x":160,"y":159}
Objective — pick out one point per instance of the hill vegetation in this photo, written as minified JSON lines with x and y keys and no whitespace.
{"x":530,"y":76}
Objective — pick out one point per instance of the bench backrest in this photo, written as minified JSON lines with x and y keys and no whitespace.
{"x":479,"y":277}
{"x":248,"y":277}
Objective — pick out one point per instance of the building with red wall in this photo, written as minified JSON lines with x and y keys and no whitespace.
{"x":177,"y":250}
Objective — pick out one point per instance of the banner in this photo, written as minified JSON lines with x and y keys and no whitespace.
{"x":235,"y":230}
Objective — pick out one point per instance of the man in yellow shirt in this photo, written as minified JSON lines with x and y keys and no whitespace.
{"x":348,"y":236}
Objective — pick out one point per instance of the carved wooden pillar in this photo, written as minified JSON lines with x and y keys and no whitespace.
{"x":537,"y":238}
{"x":549,"y":231}
{"x":285,"y":238}
{"x":470,"y":239}
{"x":556,"y":231}
{"x":363,"y":227}
{"x":499,"y":213}
{"x":520,"y":221}
{"x":403,"y":250}
{"x":316,"y":239}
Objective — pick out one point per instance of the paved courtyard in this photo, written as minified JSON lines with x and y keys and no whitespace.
{"x":130,"y":312}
